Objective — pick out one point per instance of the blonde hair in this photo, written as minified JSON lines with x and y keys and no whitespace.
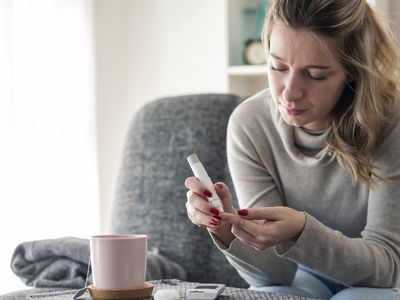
{"x":370,"y":57}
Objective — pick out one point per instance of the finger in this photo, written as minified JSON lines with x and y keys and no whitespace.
{"x":262,"y":213}
{"x":246,"y":238}
{"x":198,"y":202}
{"x":190,"y":215}
{"x":192,"y":183}
{"x":225,"y":196}
{"x":247,"y":225}
{"x":200,"y":219}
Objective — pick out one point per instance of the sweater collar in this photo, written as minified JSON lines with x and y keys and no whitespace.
{"x":313,"y":140}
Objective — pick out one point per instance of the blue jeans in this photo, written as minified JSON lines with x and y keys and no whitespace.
{"x":310,"y":284}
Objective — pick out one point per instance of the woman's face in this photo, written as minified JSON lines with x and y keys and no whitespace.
{"x":305,"y":76}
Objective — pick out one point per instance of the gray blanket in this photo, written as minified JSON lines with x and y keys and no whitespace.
{"x":63,"y":262}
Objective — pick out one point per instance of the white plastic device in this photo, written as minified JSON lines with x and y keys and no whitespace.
{"x":205,"y":291}
{"x":201,"y":174}
{"x":166,"y":295}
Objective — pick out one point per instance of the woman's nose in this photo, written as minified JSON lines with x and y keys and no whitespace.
{"x":293,"y":90}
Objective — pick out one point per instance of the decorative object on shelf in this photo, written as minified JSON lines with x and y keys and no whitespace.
{"x":253,"y":20}
{"x":254,"y":52}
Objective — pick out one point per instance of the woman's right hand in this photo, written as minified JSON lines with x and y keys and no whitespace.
{"x":204,"y":214}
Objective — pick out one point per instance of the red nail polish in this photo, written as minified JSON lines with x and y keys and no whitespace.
{"x":243,"y":212}
{"x":207,"y":193}
{"x":214,"y":211}
{"x":214,"y":222}
{"x":220,"y":186}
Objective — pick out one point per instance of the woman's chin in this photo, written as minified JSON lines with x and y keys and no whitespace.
{"x":291,"y":122}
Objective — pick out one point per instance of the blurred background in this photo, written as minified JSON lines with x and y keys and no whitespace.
{"x":72,"y":75}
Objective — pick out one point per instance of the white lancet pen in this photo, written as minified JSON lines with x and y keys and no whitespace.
{"x":201,"y":174}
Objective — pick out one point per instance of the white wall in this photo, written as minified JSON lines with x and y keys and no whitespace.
{"x":146,"y":50}
{"x":112,"y":100}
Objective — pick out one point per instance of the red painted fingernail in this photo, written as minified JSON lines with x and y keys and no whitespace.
{"x":220,"y":186}
{"x":218,"y":217}
{"x":214,"y":211}
{"x":214,"y":222}
{"x":243,"y":212}
{"x":207,"y":193}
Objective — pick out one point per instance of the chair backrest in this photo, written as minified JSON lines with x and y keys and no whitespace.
{"x":151,"y":195}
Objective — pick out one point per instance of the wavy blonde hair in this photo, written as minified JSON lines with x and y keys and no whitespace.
{"x":370,"y":57}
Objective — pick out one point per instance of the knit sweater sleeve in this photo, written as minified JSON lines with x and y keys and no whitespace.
{"x":373,"y":259}
{"x":254,"y":188}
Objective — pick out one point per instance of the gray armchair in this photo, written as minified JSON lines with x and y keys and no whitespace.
{"x":150,"y":195}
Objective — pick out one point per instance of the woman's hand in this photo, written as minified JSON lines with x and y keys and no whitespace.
{"x":202,"y":213}
{"x":264,"y":227}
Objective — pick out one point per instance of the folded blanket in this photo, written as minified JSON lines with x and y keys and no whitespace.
{"x":63,"y":262}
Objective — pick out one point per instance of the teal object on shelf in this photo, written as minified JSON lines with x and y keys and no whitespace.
{"x":253,"y":18}
{"x":262,"y":12}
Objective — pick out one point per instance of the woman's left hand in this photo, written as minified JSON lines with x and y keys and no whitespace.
{"x":264,"y":227}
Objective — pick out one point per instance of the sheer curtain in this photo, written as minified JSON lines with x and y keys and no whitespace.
{"x":48,"y":160}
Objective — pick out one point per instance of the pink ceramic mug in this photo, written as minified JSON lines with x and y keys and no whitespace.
{"x":118,"y":261}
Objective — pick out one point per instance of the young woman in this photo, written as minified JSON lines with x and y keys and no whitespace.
{"x":315,"y":159}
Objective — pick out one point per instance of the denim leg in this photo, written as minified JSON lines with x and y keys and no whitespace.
{"x":290,"y":290}
{"x":311,"y":284}
{"x":304,"y":285}
{"x":364,"y":293}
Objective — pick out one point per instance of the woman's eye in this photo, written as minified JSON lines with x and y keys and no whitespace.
{"x":317,"y":77}
{"x":279,"y":69}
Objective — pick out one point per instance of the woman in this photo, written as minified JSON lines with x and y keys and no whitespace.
{"x":315,"y":159}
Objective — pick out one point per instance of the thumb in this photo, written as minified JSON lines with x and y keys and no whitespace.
{"x":225,"y":195}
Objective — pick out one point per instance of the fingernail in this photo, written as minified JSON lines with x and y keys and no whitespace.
{"x":218,"y":217}
{"x":243,"y":212}
{"x":214,"y":211}
{"x":220,"y":186}
{"x":207,"y":193}
{"x":214,"y":222}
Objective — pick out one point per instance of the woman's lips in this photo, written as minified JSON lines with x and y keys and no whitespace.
{"x":294,"y":112}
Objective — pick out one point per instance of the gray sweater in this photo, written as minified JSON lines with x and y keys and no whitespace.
{"x":352,"y":233}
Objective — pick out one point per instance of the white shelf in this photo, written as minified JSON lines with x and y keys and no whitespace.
{"x":247,"y":70}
